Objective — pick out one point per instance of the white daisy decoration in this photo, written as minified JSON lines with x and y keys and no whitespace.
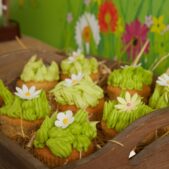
{"x":126,"y":66}
{"x":27,"y":93}
{"x":74,"y":56}
{"x":87,"y":29}
{"x":75,"y":79}
{"x":163,"y":80}
{"x":128,"y":103}
{"x":64,"y":119}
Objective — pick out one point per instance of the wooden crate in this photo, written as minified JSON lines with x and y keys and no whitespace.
{"x":144,"y":135}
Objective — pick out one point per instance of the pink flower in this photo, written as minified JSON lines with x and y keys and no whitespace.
{"x":134,"y":38}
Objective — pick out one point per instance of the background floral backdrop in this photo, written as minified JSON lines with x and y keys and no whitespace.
{"x":115,"y":29}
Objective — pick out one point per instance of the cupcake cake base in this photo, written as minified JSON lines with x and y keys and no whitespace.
{"x":1,"y":102}
{"x":50,"y":160}
{"x":114,"y":92}
{"x":94,"y":113}
{"x":94,"y":76}
{"x":17,"y":128}
{"x":109,"y":133}
{"x":45,"y":85}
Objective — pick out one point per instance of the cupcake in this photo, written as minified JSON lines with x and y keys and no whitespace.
{"x":160,"y":96}
{"x":36,"y":73}
{"x":64,"y":138}
{"x":120,"y":113}
{"x":79,"y":92}
{"x":78,"y":63}
{"x":133,"y":79}
{"x":22,"y":113}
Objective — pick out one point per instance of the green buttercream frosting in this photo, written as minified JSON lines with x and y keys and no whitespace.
{"x":130,"y":78}
{"x":118,"y":119}
{"x":5,"y":94}
{"x":160,"y":97}
{"x":81,"y":64}
{"x":26,"y":109}
{"x":84,"y":94}
{"x":61,"y":141}
{"x":36,"y":70}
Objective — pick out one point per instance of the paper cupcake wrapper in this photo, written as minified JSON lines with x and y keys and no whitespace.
{"x":114,"y":92}
{"x":44,"y":155}
{"x":45,"y":85}
{"x":15,"y":128}
{"x":94,"y":113}
{"x":94,"y":76}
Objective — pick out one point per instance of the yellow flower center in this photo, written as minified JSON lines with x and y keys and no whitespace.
{"x":168,"y":82}
{"x":107,"y":18}
{"x":27,"y":94}
{"x":128,"y":104}
{"x":65,"y":121}
{"x":86,"y":34}
{"x":74,"y":82}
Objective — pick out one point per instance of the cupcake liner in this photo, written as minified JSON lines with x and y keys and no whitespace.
{"x":45,"y":85}
{"x":114,"y":92}
{"x":16,"y":128}
{"x":94,"y":76}
{"x":1,"y":102}
{"x":95,"y":113}
{"x":109,"y":133}
{"x":44,"y":155}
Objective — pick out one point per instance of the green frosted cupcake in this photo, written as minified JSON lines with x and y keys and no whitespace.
{"x":133,"y":79}
{"x":64,"y":138}
{"x":78,"y":63}
{"x":160,"y":97}
{"x":36,"y":73}
{"x":79,"y":92}
{"x":23,"y":112}
{"x":117,"y":115}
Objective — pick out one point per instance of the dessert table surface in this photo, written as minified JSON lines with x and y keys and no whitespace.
{"x":23,"y":43}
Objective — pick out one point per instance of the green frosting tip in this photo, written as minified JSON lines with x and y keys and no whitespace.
{"x":130,"y":77}
{"x":121,"y":113}
{"x":160,"y":96}
{"x":77,"y":62}
{"x":64,"y":132}
{"x":36,"y":70}
{"x":27,"y":104}
{"x":79,"y":91}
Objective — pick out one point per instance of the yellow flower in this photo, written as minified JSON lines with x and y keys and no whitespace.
{"x":158,"y":25}
{"x":98,"y":2}
{"x":120,"y":27}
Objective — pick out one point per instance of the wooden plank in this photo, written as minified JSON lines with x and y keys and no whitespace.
{"x":12,"y":156}
{"x":112,"y":156}
{"x":30,"y":43}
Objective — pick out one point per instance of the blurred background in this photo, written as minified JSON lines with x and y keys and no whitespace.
{"x":115,"y":29}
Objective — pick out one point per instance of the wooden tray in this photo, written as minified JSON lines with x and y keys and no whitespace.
{"x":154,"y":154}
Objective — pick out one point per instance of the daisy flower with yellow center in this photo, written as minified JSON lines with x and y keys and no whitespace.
{"x":27,"y":93}
{"x":75,"y":79}
{"x":74,"y":56}
{"x":64,"y":119}
{"x":128,"y":103}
